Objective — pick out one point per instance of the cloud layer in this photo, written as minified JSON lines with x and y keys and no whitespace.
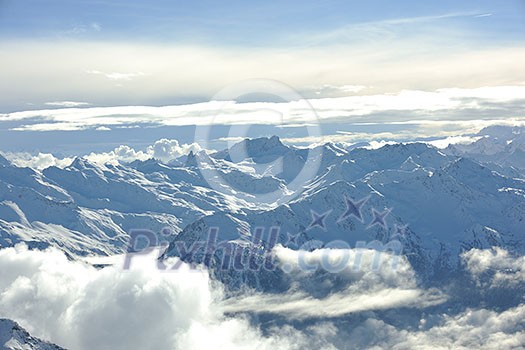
{"x":157,"y":73}
{"x":367,"y":280}
{"x":440,"y":108}
{"x":77,"y":306}
{"x":80,"y":307}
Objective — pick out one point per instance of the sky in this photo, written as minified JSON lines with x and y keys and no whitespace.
{"x":358,"y":63}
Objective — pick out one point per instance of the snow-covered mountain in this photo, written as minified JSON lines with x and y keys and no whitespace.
{"x":456,"y":220}
{"x":501,"y":145}
{"x":436,"y":204}
{"x":14,"y":337}
{"x":445,"y":205}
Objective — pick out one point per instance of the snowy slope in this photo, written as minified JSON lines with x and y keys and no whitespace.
{"x":448,"y":204}
{"x":14,"y":337}
{"x":500,"y":145}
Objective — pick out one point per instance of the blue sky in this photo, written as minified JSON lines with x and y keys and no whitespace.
{"x":244,"y":23}
{"x":367,"y":62}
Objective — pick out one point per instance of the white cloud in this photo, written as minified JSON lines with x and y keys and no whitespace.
{"x":417,"y":107}
{"x":502,"y":268}
{"x":79,"y":307}
{"x":67,"y":104}
{"x":39,"y":161}
{"x":453,"y":140}
{"x":96,"y":26}
{"x":167,"y":72}
{"x":373,"y":281}
{"x":484,"y":15}
{"x":163,"y":150}
{"x":82,"y":28}
{"x":121,"y":153}
{"x":116,"y":76}
{"x":471,"y":329}
{"x":166,"y":150}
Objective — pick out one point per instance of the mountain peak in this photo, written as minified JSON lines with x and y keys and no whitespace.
{"x":12,"y":336}
{"x":409,"y":148}
{"x":80,"y":163}
{"x":193,"y":159}
{"x":263,"y":143}
{"x":261,"y":147}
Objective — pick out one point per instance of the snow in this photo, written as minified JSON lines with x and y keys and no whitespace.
{"x":88,"y":209}
{"x":14,"y":337}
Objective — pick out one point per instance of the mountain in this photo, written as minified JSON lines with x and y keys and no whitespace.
{"x":14,"y":337}
{"x":501,"y":145}
{"x":448,"y":204}
{"x":435,"y":203}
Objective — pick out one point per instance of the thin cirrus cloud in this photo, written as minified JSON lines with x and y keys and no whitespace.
{"x":116,"y":76}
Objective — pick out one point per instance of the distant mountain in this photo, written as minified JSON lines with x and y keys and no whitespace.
{"x":14,"y":337}
{"x":501,"y":145}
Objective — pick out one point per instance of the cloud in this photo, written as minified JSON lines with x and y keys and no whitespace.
{"x":116,"y":76}
{"x":67,"y":104}
{"x":501,"y":267}
{"x":163,"y":150}
{"x":439,"y":133}
{"x":82,"y":28}
{"x":463,"y":108}
{"x":162,"y":73}
{"x":471,"y":329}
{"x":327,"y":90}
{"x":80,"y":307}
{"x":39,"y":161}
{"x":384,"y":29}
{"x":121,"y":153}
{"x":96,"y":26}
{"x":166,"y":150}
{"x":453,"y":140}
{"x":372,"y":281}
{"x":484,"y":15}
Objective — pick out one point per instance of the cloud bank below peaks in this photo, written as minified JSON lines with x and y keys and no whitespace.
{"x":365,"y":280}
{"x":80,"y":307}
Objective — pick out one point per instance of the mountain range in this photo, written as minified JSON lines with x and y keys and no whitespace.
{"x":447,"y":200}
